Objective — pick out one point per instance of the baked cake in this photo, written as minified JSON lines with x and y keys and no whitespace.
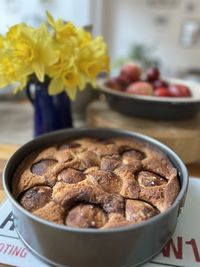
{"x":93,"y":183}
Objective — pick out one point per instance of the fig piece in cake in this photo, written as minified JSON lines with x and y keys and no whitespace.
{"x":86,"y":216}
{"x":41,"y":167}
{"x":138,"y":211}
{"x":36,"y":197}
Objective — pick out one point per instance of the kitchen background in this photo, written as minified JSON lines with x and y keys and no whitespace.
{"x":166,"y":32}
{"x":161,"y":32}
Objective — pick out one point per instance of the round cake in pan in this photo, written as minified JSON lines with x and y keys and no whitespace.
{"x":93,"y":183}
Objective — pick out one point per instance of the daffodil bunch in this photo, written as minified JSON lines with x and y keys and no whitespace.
{"x":69,"y":56}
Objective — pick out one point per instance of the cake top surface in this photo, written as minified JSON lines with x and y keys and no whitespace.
{"x":93,"y":183}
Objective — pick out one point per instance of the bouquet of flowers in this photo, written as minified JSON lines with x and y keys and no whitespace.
{"x":69,"y":56}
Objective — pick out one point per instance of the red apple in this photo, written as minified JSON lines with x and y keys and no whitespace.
{"x":130,"y":72}
{"x":179,"y":90}
{"x":153,"y":74}
{"x":161,"y":91}
{"x":114,"y":84}
{"x":140,"y":88}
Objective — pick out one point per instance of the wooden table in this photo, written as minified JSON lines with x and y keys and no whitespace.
{"x":183,"y":136}
{"x":5,"y":153}
{"x":7,"y":150}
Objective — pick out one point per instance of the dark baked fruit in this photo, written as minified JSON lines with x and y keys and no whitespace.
{"x":86,"y":216}
{"x":36,"y":197}
{"x":41,"y":167}
{"x":149,"y":179}
{"x":138,"y":211}
{"x":91,"y":183}
{"x":71,"y":176}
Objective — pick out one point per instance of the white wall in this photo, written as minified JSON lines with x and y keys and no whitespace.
{"x":123,"y":23}
{"x":132,"y":21}
{"x":33,"y":11}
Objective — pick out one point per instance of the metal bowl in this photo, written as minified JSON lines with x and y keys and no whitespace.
{"x":154,"y":107}
{"x":65,"y":246}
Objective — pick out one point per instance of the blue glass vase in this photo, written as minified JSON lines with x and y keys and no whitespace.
{"x":50,"y":112}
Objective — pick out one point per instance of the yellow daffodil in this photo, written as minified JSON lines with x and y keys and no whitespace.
{"x":68,"y":55}
{"x":63,"y":31}
{"x":64,"y":73}
{"x":93,"y":59}
{"x":9,"y":74}
{"x":68,"y":81}
{"x":32,"y":49}
{"x":1,"y":42}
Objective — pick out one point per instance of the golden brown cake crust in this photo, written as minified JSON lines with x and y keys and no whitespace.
{"x":91,"y":183}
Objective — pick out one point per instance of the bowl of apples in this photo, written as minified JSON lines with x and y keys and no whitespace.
{"x":147,"y":95}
